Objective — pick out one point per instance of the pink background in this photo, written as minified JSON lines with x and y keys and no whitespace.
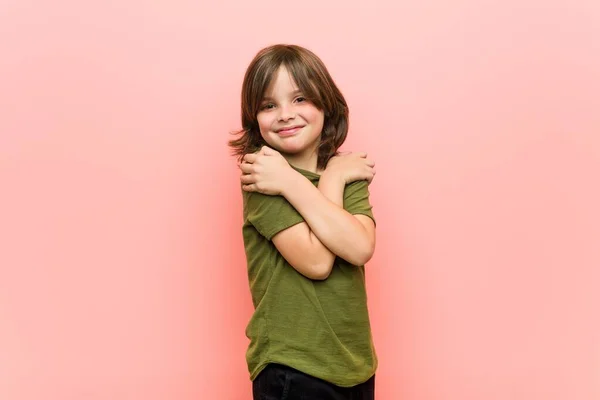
{"x":122,"y":272}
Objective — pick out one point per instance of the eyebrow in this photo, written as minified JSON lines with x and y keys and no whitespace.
{"x":295,"y":92}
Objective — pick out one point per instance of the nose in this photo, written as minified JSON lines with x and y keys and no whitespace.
{"x":286,"y":112}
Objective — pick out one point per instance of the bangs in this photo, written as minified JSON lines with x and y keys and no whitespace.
{"x":306,"y":81}
{"x":304,"y":77}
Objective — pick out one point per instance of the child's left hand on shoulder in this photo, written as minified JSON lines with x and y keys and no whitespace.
{"x":352,"y":167}
{"x":265,"y":171}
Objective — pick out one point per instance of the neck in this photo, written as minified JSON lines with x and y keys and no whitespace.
{"x":303,"y":162}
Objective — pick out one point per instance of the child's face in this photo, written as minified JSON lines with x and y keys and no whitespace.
{"x":285,"y":107}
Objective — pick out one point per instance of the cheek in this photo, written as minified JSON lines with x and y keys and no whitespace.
{"x":317,"y":118}
{"x":263,"y":123}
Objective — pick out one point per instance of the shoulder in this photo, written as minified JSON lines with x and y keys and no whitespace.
{"x":263,"y":206}
{"x":357,"y":188}
{"x":356,"y":198}
{"x":256,"y":199}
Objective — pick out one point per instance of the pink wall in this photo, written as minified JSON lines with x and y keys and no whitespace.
{"x":122,"y":271}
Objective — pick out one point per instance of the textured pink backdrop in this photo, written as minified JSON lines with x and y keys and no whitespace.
{"x":122,"y":271}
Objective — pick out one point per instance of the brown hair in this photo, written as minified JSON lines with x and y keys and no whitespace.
{"x":312,"y":77}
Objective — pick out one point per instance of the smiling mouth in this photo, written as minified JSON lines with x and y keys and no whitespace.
{"x":289,"y":131}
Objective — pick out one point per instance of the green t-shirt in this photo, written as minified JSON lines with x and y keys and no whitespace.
{"x":321,"y":328}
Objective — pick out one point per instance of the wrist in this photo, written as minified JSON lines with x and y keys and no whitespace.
{"x":290,"y":182}
{"x":333,"y":175}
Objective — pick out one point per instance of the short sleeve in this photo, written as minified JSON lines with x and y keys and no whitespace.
{"x":356,"y":199}
{"x":269,"y":214}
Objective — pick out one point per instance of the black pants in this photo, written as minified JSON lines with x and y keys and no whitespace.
{"x":279,"y":382}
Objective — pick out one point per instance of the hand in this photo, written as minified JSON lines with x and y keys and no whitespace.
{"x":266,"y":172}
{"x":352,"y":167}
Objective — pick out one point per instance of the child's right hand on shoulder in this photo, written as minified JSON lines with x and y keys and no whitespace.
{"x":266,"y":172}
{"x":352,"y":167}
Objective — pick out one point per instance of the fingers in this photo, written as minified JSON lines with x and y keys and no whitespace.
{"x":246,"y":167}
{"x":360,"y":154}
{"x":247,"y":179}
{"x":370,"y":174}
{"x":267,"y":151}
{"x":247,"y":176}
{"x":248,"y":182}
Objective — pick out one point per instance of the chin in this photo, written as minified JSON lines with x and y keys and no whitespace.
{"x":287,"y":150}
{"x":283,"y":147}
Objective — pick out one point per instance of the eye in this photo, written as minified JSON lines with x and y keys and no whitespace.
{"x":301,"y":99}
{"x":267,"y":106}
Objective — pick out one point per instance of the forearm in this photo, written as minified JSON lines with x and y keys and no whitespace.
{"x":322,"y":209}
{"x":332,"y":188}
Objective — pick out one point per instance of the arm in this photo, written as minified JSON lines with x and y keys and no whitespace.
{"x":345,"y":235}
{"x":301,"y":247}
